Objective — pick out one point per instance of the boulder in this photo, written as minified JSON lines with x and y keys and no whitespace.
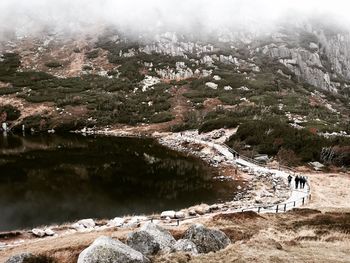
{"x":87,"y":223}
{"x":38,"y":232}
{"x":186,"y":245}
{"x":180,"y":215}
{"x":135,"y":221}
{"x":107,"y":250}
{"x":160,"y":235}
{"x":207,"y":240}
{"x":49,"y":232}
{"x":143,"y":242}
{"x":211,"y":85}
{"x":116,"y":222}
{"x":170,"y":214}
{"x":20,"y":258}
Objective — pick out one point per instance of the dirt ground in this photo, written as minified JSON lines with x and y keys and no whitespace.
{"x":304,"y":235}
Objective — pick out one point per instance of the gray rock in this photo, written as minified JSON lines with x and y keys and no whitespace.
{"x":160,"y":235}
{"x":143,"y":242}
{"x":19,"y":258}
{"x":108,"y":250}
{"x":180,"y":215}
{"x":207,"y":240}
{"x":185,"y":245}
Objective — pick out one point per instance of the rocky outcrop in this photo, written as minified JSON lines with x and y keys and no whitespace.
{"x":106,"y":250}
{"x":207,"y":240}
{"x":160,"y":235}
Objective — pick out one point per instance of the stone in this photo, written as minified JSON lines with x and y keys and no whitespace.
{"x":180,"y":215}
{"x":160,"y":235}
{"x":135,"y":221}
{"x":166,"y":214}
{"x":192,"y":212}
{"x":207,"y":240}
{"x":20,"y":258}
{"x":38,"y":232}
{"x":227,"y":88}
{"x":143,"y":242}
{"x":186,"y":245}
{"x":211,"y":85}
{"x":107,"y":250}
{"x":49,"y":232}
{"x":116,"y":222}
{"x":87,"y":223}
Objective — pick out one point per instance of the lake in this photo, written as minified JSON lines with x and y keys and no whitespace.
{"x":48,"y":179}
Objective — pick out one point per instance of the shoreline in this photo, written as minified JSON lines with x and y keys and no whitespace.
{"x":258,"y":188}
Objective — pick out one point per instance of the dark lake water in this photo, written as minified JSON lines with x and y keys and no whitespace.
{"x":49,"y":179}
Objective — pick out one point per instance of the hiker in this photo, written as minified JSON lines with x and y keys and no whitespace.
{"x":234,"y":155}
{"x":237,"y":154}
{"x":303,"y":181}
{"x":289,"y":180}
{"x":297,"y":180}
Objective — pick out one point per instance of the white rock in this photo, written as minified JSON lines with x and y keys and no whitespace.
{"x":227,"y":88}
{"x":211,"y":85}
{"x":49,"y":232}
{"x":87,"y":223}
{"x":166,"y":214}
{"x":180,"y":215}
{"x":38,"y":232}
{"x":116,"y":222}
{"x":216,"y":77}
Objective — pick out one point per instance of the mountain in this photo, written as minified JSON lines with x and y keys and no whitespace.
{"x":293,"y":82}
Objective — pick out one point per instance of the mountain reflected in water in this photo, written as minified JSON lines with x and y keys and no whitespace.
{"x":50,"y":179}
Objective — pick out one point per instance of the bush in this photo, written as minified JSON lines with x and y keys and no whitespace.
{"x":12,"y":113}
{"x":53,"y":64}
{"x":92,"y":54}
{"x":224,"y":122}
{"x":162,"y":117}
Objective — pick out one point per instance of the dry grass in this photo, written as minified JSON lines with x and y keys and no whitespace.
{"x":302,"y":235}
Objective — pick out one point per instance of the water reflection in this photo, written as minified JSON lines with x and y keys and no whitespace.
{"x":47,"y":179}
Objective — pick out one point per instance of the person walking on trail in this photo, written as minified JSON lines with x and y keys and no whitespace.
{"x":301,"y":182}
{"x":297,"y":181}
{"x":289,"y":180}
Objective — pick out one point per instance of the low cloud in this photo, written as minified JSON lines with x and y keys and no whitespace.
{"x":28,"y":17}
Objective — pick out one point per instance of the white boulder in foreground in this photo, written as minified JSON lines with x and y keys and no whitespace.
{"x":108,"y":250}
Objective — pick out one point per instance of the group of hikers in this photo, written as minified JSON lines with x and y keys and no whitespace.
{"x":299,"y":180}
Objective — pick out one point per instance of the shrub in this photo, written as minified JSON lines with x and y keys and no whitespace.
{"x":12,"y":113}
{"x":162,"y":117}
{"x":92,"y":54}
{"x":53,"y":64}
{"x":224,"y":122}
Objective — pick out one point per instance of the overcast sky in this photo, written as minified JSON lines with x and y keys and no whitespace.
{"x":29,"y":16}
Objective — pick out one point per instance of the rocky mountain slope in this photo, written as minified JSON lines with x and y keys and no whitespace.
{"x":297,"y":74}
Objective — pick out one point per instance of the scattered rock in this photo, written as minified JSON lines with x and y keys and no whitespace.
{"x":207,"y":240}
{"x":143,"y":242}
{"x":160,"y":235}
{"x":180,"y":215}
{"x":192,"y":212}
{"x":211,"y":85}
{"x":186,"y":245}
{"x":87,"y":223}
{"x":20,"y":258}
{"x":170,"y":214}
{"x":135,"y":221}
{"x":49,"y":232}
{"x":107,"y":250}
{"x":38,"y":232}
{"x":116,"y":222}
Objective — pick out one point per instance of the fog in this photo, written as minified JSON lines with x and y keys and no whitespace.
{"x":28,"y":17}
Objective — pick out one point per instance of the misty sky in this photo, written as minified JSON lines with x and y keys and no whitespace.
{"x":29,"y":16}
